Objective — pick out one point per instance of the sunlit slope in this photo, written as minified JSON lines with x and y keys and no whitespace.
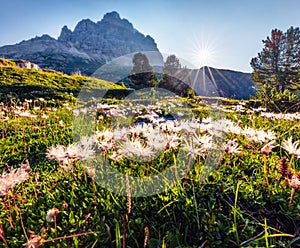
{"x":30,"y":82}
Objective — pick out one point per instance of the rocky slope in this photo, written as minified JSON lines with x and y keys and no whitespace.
{"x":84,"y":49}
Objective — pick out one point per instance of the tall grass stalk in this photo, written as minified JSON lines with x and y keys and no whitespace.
{"x":196,"y":208}
{"x":234,"y":226}
{"x":266,"y":234}
{"x":266,"y":169}
{"x":118,"y":236}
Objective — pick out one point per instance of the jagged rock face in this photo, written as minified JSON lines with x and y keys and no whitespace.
{"x":85,"y":49}
{"x":26,"y":64}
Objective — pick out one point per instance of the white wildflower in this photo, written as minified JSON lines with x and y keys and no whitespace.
{"x":137,"y":150}
{"x":85,"y":152}
{"x":172,"y":141}
{"x":120,"y":134}
{"x":205,"y":141}
{"x":35,"y":241}
{"x":206,"y":120}
{"x":105,"y":135}
{"x":72,"y":151}
{"x":257,"y":135}
{"x":25,"y":114}
{"x":187,"y":126}
{"x":268,"y":147}
{"x":290,"y":147}
{"x":294,"y":181}
{"x":56,"y":153}
{"x":88,"y":141}
{"x":192,"y":149}
{"x":91,"y":171}
{"x":9,"y":179}
{"x":51,"y":214}
{"x":232,"y":147}
{"x":106,"y":140}
{"x":156,"y":139}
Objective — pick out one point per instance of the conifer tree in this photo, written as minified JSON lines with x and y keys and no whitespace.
{"x":276,"y":69}
{"x":142,"y":74}
{"x":174,"y":77}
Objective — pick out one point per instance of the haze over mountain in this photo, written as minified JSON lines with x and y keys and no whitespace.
{"x":228,"y":83}
{"x":213,"y":82}
{"x":86,"y":48}
{"x":205,"y":81}
{"x":91,"y":45}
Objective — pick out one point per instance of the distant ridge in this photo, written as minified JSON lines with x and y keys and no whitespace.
{"x":205,"y":81}
{"x":213,"y":82}
{"x":84,"y":49}
{"x":229,"y":83}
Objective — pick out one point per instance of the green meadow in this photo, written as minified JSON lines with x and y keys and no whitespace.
{"x":236,"y":165}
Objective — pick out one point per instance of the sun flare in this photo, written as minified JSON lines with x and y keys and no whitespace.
{"x":204,"y":55}
{"x":203,"y":51}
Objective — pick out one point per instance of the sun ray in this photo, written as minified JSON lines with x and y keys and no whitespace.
{"x":203,"y":50}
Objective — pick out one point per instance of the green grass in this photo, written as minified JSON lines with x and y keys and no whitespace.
{"x":30,"y":83}
{"x":228,"y":208}
{"x":232,"y":207}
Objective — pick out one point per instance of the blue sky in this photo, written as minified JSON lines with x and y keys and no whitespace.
{"x":221,"y":33}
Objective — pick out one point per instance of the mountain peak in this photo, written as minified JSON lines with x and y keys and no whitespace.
{"x":112,"y":16}
{"x":65,"y":34}
{"x":84,"y":25}
{"x":86,"y":48}
{"x":45,"y":37}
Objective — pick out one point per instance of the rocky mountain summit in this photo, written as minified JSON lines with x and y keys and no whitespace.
{"x":86,"y":48}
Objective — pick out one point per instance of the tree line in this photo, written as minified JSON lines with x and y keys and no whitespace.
{"x":142,"y":75}
{"x":276,"y":71}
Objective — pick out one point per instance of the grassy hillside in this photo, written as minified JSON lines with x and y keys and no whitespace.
{"x":30,"y":83}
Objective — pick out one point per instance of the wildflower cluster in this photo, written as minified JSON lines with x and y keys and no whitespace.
{"x":83,"y":150}
{"x":15,"y":176}
{"x":256,"y":150}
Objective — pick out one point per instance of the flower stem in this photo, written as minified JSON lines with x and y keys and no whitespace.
{"x":266,"y":169}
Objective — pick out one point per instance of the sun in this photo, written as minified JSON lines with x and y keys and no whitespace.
{"x":205,"y":55}
{"x":203,"y":51}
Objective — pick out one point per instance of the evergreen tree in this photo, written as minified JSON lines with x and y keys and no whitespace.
{"x":142,"y":74}
{"x":276,"y":68}
{"x":172,"y":65}
{"x":174,"y":77}
{"x":291,"y":60}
